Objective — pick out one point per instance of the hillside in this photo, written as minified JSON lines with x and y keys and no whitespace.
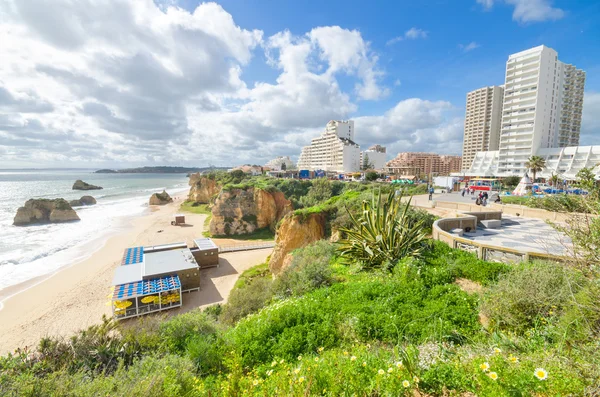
{"x":158,"y":170}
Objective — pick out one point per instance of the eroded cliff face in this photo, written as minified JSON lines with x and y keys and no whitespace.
{"x":45,"y":211}
{"x":160,"y":198}
{"x":202,"y":189}
{"x":242,"y":211}
{"x":295,"y":231}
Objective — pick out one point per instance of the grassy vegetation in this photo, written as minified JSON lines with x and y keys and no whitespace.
{"x":195,"y":208}
{"x":263,"y":234}
{"x":404,"y":332}
{"x":556,"y":203}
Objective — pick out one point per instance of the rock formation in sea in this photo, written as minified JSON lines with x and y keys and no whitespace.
{"x":84,"y":200}
{"x":81,"y":185}
{"x":160,"y":198}
{"x":202,"y":189}
{"x":244,"y":210}
{"x":45,"y":211}
{"x":295,"y":231}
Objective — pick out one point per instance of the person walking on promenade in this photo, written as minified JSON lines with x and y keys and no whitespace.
{"x":430,"y":193}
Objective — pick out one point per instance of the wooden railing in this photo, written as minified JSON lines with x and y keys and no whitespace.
{"x":246,"y":247}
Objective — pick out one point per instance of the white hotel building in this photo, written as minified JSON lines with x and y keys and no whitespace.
{"x":334,"y":151}
{"x":541,"y":115}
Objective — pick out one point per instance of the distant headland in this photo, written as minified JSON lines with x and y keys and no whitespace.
{"x":158,"y":170}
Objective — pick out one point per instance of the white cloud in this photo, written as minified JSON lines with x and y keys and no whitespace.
{"x":414,"y":125}
{"x":590,"y":122}
{"x":529,"y":10}
{"x":118,"y":83}
{"x":469,"y":47}
{"x":412,"y":33}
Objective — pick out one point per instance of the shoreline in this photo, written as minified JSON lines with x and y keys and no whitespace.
{"x":75,"y":296}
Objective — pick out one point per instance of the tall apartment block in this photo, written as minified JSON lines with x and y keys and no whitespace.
{"x":543,"y":99}
{"x":335,"y":150}
{"x":482,"y":122}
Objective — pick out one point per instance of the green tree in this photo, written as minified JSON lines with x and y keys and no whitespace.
{"x":367,"y":165}
{"x":511,"y":180}
{"x":554,"y":179}
{"x":371,"y":176}
{"x":535,"y":164}
{"x":382,"y":234}
{"x":318,"y":192}
{"x":586,"y":179}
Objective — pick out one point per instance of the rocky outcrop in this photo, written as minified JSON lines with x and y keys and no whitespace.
{"x":160,"y":198}
{"x":45,"y":211}
{"x":295,"y":231}
{"x":244,"y":210}
{"x":81,"y":185}
{"x":202,"y":189}
{"x":84,"y":200}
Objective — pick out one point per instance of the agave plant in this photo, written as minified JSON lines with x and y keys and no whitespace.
{"x":382,"y":234}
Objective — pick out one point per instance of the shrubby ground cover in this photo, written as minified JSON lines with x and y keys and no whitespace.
{"x":331,"y":326}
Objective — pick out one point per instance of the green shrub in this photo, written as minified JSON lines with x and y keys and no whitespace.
{"x":249,"y":299}
{"x":319,"y":192}
{"x":530,"y":292}
{"x":206,"y":351}
{"x":309,"y":270}
{"x":177,"y":331}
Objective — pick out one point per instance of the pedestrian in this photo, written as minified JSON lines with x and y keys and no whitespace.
{"x":430,"y":193}
{"x":463,"y":192}
{"x":484,"y":198}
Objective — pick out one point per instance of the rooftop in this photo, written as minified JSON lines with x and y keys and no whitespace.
{"x":168,"y":262}
{"x":205,"y":243}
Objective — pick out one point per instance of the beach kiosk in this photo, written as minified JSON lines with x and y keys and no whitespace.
{"x":205,"y":252}
{"x":152,"y":279}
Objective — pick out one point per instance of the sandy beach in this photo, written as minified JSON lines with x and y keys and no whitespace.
{"x":77,"y":296}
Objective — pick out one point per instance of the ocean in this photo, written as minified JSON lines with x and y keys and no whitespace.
{"x":27,"y":252}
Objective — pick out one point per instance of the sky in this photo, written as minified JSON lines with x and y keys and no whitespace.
{"x":121,"y":83}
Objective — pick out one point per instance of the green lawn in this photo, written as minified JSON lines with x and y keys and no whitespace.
{"x":189,"y":206}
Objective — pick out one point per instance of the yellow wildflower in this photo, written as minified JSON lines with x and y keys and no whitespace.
{"x":405,"y":383}
{"x":281,"y":361}
{"x":299,"y":358}
{"x":416,"y":379}
{"x":316,"y":358}
{"x":390,"y":370}
{"x":255,"y":383}
{"x":513,"y":359}
{"x":381,"y":372}
{"x":493,"y":375}
{"x":497,"y":351}
{"x":301,"y":379}
{"x":399,"y":364}
{"x":540,"y":373}
{"x":269,"y":372}
{"x":345,"y":353}
{"x":485,"y":367}
{"x":353,"y":358}
{"x":364,"y":363}
{"x":274,"y":363}
{"x":320,"y":349}
{"x":297,"y":370}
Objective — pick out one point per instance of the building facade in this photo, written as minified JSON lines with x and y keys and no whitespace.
{"x":335,"y":150}
{"x":280,"y":163}
{"x":375,"y":156}
{"x":541,"y":115}
{"x":482,"y":122}
{"x":423,"y":164}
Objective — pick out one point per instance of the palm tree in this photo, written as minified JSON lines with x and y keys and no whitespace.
{"x":535,"y":164}
{"x":554,"y":179}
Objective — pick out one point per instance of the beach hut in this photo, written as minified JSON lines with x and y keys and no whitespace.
{"x":524,"y":187}
{"x":178,"y":219}
{"x":152,"y":279}
{"x":205,"y":252}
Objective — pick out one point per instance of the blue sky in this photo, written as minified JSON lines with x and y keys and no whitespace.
{"x":121,"y":83}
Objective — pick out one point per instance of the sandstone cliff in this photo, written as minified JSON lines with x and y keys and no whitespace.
{"x":160,"y":198}
{"x":45,"y":211}
{"x":202,"y":189}
{"x":295,"y":231}
{"x":81,"y":185}
{"x":244,"y":210}
{"x":84,"y":200}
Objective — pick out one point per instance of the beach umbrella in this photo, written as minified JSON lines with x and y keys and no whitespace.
{"x":149,"y":299}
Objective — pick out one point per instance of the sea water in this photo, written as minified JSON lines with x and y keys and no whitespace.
{"x":27,"y":252}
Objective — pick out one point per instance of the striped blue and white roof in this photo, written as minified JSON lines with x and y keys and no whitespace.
{"x":133,"y":255}
{"x":146,"y":287}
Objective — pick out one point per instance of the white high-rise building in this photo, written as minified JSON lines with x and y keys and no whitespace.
{"x":482,"y":122}
{"x":335,"y":150}
{"x":543,"y":99}
{"x":375,"y":156}
{"x":541,"y":115}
